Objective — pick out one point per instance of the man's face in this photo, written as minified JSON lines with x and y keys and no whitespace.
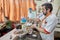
{"x":44,"y":10}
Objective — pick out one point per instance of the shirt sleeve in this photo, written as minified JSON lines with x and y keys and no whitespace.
{"x":51,"y":24}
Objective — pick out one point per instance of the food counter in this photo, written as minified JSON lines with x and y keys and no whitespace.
{"x":12,"y":36}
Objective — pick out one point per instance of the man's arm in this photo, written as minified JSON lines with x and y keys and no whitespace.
{"x":41,"y":30}
{"x":49,"y":26}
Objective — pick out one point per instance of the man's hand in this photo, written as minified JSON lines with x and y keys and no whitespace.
{"x":37,"y":20}
{"x":33,"y":26}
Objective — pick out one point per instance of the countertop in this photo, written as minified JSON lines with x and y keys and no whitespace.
{"x":8,"y":35}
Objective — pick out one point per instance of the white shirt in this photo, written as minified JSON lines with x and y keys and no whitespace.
{"x":49,"y":26}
